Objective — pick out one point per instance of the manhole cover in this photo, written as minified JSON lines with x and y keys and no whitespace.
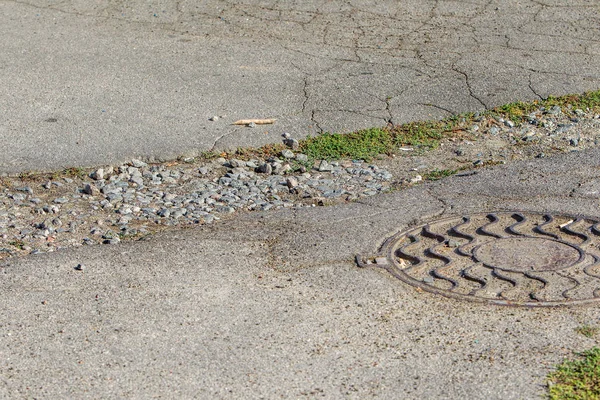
{"x":504,"y":258}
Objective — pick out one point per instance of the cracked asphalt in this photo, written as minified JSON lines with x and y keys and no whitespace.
{"x":103,"y":82}
{"x":272,"y":304}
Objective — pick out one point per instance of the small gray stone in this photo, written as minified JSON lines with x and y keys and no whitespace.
{"x":287,"y":153}
{"x":203,"y":170}
{"x":324,"y":166}
{"x":236,"y":163}
{"x":574,"y":142}
{"x":17,"y":196}
{"x":301,"y":157}
{"x":91,"y":190}
{"x":61,"y":200}
{"x":98,"y":174}
{"x":292,"y":143}
{"x":529,"y":136}
{"x":214,"y":118}
{"x":138,"y":163}
{"x":291,"y":182}
{"x":562,"y":128}
{"x":509,"y":123}
{"x":555,"y":110}
{"x":265,"y":168}
{"x":79,"y":267}
{"x":138,"y":180}
{"x":494,"y":130}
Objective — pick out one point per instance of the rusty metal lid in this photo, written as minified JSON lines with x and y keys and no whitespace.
{"x":506,"y":258}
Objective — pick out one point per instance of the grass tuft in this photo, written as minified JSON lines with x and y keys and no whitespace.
{"x":426,"y":135}
{"x":364,"y":145}
{"x":577,"y":380}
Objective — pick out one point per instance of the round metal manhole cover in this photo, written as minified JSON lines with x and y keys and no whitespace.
{"x":504,"y":258}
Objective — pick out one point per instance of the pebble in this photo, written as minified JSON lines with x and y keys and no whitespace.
{"x":301,"y":157}
{"x":555,"y":110}
{"x":98,"y":174}
{"x":287,"y":154}
{"x":292,"y":143}
{"x":324,"y":166}
{"x":416,"y":179}
{"x":266,"y":168}
{"x":91,"y":190}
{"x":562,"y":128}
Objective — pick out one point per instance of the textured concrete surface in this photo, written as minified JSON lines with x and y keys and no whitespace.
{"x":272,"y":305}
{"x":88,"y":83}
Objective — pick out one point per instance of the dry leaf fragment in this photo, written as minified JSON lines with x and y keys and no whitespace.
{"x":254,"y":121}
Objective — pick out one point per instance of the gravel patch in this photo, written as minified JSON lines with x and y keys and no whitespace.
{"x":43,"y":213}
{"x":136,"y":199}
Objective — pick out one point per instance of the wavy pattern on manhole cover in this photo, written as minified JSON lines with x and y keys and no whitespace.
{"x":505,"y":258}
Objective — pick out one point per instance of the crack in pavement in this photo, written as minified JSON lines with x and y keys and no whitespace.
{"x":450,"y":56}
{"x":533,"y":90}
{"x":466,"y":77}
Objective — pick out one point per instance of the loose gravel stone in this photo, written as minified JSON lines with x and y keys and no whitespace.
{"x":292,"y":143}
{"x":287,"y":154}
{"x":324,"y":166}
{"x":91,"y":190}
{"x":265,"y":168}
{"x":98,"y":174}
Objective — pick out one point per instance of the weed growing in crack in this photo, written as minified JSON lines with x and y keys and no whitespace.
{"x":437,"y":174}
{"x":587,"y":330}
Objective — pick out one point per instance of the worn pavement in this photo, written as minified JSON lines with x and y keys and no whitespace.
{"x":89,"y":83}
{"x":272,"y":305}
